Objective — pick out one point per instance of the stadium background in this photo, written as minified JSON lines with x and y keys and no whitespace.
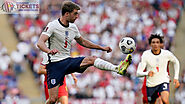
{"x":103,"y":22}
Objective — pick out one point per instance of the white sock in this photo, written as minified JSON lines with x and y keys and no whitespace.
{"x":105,"y":65}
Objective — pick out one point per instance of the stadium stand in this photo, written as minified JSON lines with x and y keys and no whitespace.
{"x":180,"y":92}
{"x":103,"y":22}
{"x":10,"y":93}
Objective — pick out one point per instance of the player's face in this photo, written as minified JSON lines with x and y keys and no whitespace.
{"x":73,"y":16}
{"x":155,"y":44}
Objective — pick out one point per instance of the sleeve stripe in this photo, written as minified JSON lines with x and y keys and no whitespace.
{"x":49,"y":44}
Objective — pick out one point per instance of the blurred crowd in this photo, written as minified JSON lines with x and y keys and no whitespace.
{"x":10,"y":67}
{"x":103,"y":22}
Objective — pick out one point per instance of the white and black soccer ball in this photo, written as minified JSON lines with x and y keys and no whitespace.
{"x":127,"y":45}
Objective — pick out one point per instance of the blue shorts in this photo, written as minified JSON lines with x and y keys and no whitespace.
{"x":56,"y":71}
{"x":154,"y":92}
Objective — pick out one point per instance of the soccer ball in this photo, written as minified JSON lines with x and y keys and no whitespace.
{"x":127,"y":45}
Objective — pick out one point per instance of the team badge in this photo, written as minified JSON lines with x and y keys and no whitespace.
{"x":149,"y":99}
{"x":53,"y":81}
{"x":66,"y":33}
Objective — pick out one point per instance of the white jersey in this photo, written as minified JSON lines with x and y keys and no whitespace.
{"x":159,"y":65}
{"x":60,"y":38}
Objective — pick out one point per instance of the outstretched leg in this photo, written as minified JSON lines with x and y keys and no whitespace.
{"x":105,"y":65}
{"x":122,"y":67}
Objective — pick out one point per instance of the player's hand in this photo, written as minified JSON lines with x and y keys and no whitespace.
{"x":41,"y":70}
{"x":176,"y":83}
{"x":53,"y":51}
{"x":108,"y":49}
{"x":151,"y":73}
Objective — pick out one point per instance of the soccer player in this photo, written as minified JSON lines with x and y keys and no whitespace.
{"x":156,"y":61}
{"x":144,"y":92}
{"x":58,"y":35}
{"x":62,"y":91}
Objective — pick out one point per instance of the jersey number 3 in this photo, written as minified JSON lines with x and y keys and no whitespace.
{"x":66,"y":34}
{"x":165,"y":86}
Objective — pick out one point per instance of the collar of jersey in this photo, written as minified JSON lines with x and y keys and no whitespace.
{"x":62,"y":23}
{"x":156,"y":54}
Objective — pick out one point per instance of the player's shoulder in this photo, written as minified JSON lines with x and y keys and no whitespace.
{"x":166,"y":52}
{"x":72,"y":25}
{"x":53,"y":22}
{"x":147,"y":52}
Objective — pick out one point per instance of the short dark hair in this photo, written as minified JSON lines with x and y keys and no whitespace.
{"x":69,"y":6}
{"x":155,"y":36}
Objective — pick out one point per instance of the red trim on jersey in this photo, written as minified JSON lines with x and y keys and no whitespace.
{"x":168,"y":69}
{"x":144,"y":91}
{"x":46,"y":87}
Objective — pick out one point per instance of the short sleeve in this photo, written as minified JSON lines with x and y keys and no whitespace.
{"x":48,"y":29}
{"x":78,"y":32}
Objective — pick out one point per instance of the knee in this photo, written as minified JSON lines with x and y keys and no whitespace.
{"x":52,"y":100}
{"x":91,"y":59}
{"x":165,"y":101}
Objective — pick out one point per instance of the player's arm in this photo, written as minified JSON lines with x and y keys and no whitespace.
{"x":176,"y":65}
{"x":41,"y":44}
{"x":86,"y":43}
{"x":42,"y":69}
{"x":140,"y":70}
{"x":74,"y":78}
{"x":175,"y":61}
{"x":48,"y":31}
{"x":141,"y":67}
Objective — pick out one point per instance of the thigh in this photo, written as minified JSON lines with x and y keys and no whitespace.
{"x":62,"y":90}
{"x":165,"y":96}
{"x":164,"y":92}
{"x":74,"y":65}
{"x":159,"y":100}
{"x":53,"y":92}
{"x":55,"y":73}
{"x":152,"y":94}
{"x":63,"y":100}
{"x":63,"y":93}
{"x":88,"y":61}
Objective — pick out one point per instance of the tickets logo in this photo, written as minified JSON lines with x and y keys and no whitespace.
{"x":19,"y":7}
{"x":8,"y":7}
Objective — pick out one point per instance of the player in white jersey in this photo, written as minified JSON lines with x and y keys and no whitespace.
{"x":58,"y":35}
{"x":156,"y":61}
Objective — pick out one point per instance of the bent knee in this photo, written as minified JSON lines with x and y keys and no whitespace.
{"x":88,"y":61}
{"x":91,"y":59}
{"x":52,"y":99}
{"x":165,"y":101}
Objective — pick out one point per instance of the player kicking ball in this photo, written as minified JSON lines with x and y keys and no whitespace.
{"x":156,"y":62}
{"x":56,"y":41}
